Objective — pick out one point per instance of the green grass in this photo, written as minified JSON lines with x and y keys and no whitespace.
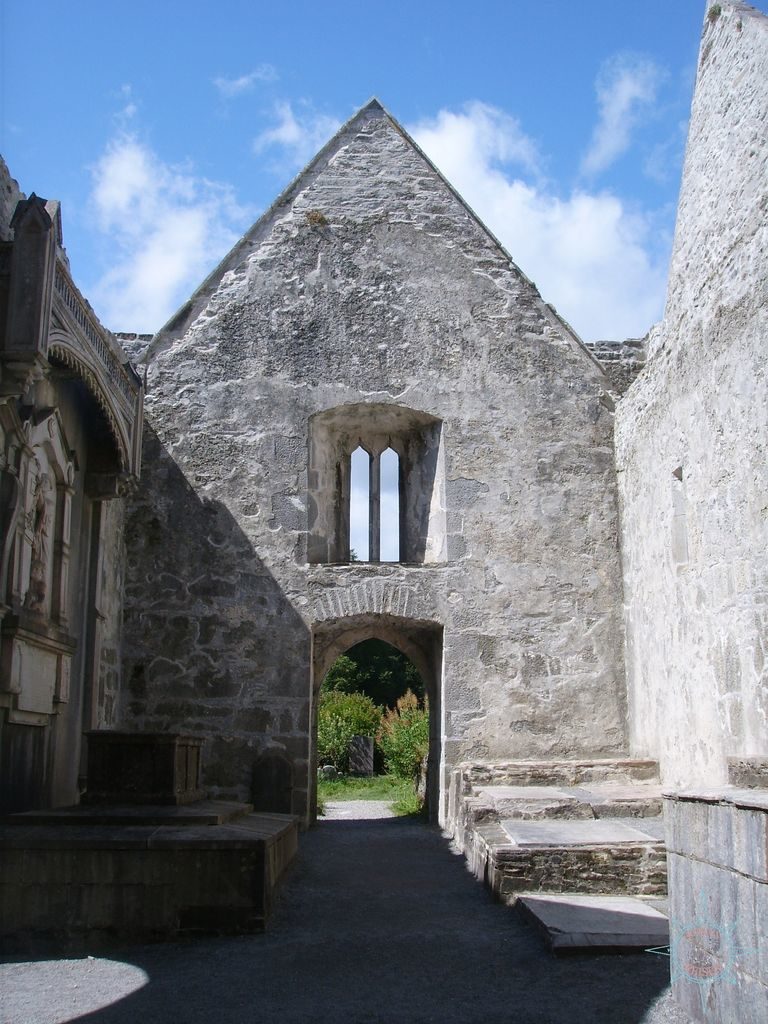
{"x":398,"y":792}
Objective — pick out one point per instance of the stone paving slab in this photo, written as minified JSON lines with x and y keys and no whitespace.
{"x":597,"y":832}
{"x":573,"y":921}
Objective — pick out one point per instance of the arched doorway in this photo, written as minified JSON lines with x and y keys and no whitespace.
{"x":420,"y":642}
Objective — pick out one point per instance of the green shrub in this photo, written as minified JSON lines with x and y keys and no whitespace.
{"x":404,"y":737}
{"x":341,"y":716}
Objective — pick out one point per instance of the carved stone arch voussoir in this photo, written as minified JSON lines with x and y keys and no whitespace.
{"x":59,"y":349}
{"x":373,"y":598}
{"x":372,"y":609}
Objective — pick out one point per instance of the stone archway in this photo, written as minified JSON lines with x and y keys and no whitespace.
{"x":420,"y":641}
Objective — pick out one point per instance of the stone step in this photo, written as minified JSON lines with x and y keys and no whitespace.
{"x":558,"y":773}
{"x":602,"y":800}
{"x":598,"y":856}
{"x":571,"y":921}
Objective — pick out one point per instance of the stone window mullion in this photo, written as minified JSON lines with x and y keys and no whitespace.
{"x":374,"y":508}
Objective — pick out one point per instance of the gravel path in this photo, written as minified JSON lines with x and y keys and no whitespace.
{"x":357,"y":810}
{"x":378,"y":923}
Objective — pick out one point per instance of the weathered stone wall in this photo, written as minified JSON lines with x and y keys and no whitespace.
{"x":621,"y":360}
{"x":691,"y":438}
{"x":10,"y":195}
{"x":369,"y":282}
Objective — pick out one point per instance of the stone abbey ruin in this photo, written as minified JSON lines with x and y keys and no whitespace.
{"x":582,"y":581}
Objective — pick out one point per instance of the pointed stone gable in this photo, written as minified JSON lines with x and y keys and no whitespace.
{"x":367,"y":240}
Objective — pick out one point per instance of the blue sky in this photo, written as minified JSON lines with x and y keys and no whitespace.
{"x":165,"y":128}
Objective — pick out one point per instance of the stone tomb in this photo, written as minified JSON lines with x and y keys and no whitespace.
{"x":123,"y":871}
{"x":143,"y":768}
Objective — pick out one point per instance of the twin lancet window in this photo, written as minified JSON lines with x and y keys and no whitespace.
{"x":374,"y":506}
{"x":376,"y":486}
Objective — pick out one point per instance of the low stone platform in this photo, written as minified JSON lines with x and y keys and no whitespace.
{"x":570,"y":921}
{"x":544,"y":790}
{"x":576,"y":840}
{"x":603,"y":856}
{"x":92,"y":876}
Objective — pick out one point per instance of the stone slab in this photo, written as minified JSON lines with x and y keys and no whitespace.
{"x":560,"y":773}
{"x":611,"y":792}
{"x":526,"y":793}
{"x":599,"y":832}
{"x":599,"y":793}
{"x":755,"y":799}
{"x":572,"y":921}
{"x":205,"y":812}
{"x":245,"y":831}
{"x":612,"y":800}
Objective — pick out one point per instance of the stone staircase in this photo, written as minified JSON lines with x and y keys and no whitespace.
{"x":586,"y":836}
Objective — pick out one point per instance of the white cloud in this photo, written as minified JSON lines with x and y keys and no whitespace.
{"x":166,"y":228}
{"x":479,"y":130}
{"x":297,"y":136}
{"x":231,"y":87}
{"x":590,"y":256}
{"x":626,"y":87}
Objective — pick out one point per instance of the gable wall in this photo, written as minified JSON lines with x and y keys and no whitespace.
{"x":371,"y":283}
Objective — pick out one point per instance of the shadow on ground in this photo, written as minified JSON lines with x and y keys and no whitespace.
{"x":379,"y":921}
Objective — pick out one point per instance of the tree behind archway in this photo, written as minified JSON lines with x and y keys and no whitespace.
{"x":377,"y":669}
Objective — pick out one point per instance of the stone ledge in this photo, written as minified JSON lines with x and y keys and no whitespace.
{"x":205,"y":812}
{"x":580,"y":772}
{"x":243,"y":834}
{"x":749,"y":799}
